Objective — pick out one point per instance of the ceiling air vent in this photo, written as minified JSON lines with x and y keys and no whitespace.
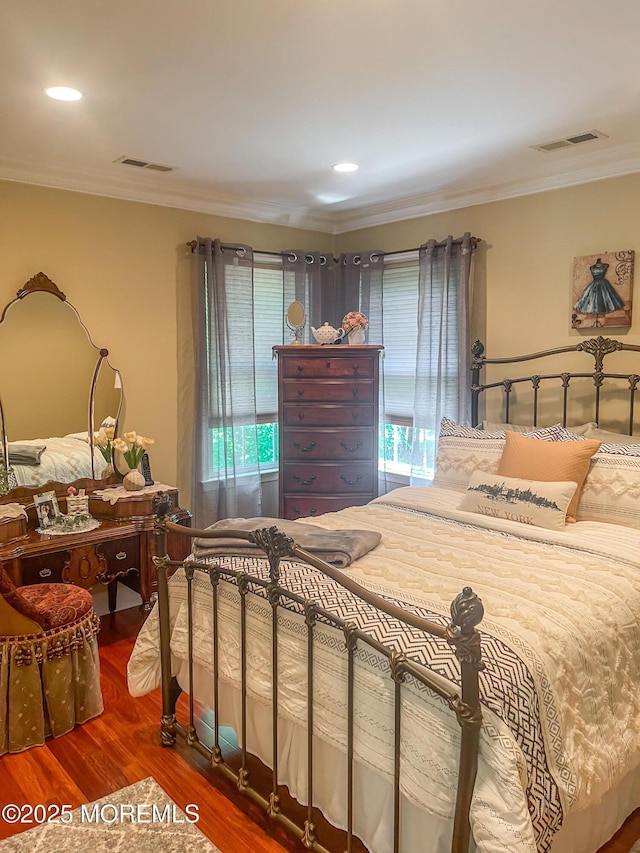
{"x":568,"y":141}
{"x":143,"y":164}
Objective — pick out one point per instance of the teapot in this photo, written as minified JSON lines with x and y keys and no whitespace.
{"x":326,"y":334}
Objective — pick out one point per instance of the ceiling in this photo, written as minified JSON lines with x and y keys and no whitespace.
{"x":252,"y":101}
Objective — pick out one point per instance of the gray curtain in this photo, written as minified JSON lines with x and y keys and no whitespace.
{"x":351,"y":285}
{"x":443,"y":353}
{"x":225,"y":393}
{"x":225,"y":363}
{"x":313,"y":277}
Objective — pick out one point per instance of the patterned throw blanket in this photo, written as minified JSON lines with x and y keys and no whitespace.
{"x":507,"y":687}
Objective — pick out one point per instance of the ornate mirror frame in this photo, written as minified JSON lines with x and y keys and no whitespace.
{"x":41,"y":283}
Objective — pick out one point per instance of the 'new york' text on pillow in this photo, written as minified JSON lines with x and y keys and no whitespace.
{"x":533,"y":502}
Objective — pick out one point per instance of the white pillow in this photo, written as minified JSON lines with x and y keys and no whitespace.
{"x":463,"y":450}
{"x":80,"y":436}
{"x":608,"y":437}
{"x":611,"y":490}
{"x":532,"y":502}
{"x":579,"y":430}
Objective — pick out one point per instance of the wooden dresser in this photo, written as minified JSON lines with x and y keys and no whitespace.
{"x":122,"y":547}
{"x":328,"y":427}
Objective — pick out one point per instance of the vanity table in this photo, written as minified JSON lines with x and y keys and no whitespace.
{"x":123,"y":546}
{"x":59,"y":411}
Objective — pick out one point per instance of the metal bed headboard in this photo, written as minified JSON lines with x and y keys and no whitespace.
{"x":599,"y":348}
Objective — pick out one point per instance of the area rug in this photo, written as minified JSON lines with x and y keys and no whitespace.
{"x":138,"y":819}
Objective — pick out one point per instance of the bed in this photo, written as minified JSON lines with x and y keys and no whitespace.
{"x":520,"y":732}
{"x":63,"y":460}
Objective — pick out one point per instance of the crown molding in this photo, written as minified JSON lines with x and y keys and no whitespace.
{"x":153,"y":189}
{"x":613,"y":163}
{"x":147,"y":190}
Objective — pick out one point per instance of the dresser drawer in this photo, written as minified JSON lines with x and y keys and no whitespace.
{"x":310,"y":507}
{"x":326,"y":415}
{"x":298,"y":368}
{"x":347,"y":391}
{"x":327,"y":478}
{"x":121,"y":555}
{"x":328,"y":444}
{"x":45,"y":568}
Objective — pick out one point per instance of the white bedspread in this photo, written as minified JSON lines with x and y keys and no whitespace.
{"x":566,"y":603}
{"x":64,"y":460}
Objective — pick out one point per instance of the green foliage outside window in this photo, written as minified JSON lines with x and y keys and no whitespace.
{"x":245,"y":446}
{"x":252,"y":446}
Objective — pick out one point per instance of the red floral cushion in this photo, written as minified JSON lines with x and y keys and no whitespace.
{"x":58,"y":604}
{"x":12,"y":595}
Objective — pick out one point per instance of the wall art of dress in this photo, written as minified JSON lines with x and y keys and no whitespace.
{"x":602,"y":290}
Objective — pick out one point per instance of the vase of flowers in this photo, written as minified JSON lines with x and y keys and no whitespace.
{"x":103,"y":440}
{"x":354,"y":323}
{"x":132,"y":447}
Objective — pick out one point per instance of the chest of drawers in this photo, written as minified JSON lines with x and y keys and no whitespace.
{"x":328,"y":427}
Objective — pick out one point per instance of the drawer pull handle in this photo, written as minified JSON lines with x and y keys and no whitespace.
{"x":351,"y":482}
{"x":356,"y":368}
{"x":304,"y":482}
{"x":304,"y":449}
{"x":300,"y":367}
{"x":355,"y":415}
{"x":327,"y":364}
{"x":300,"y":392}
{"x":350,"y":449}
{"x":312,"y":511}
{"x":300,"y":416}
{"x":355,"y":392}
{"x":44,"y":573}
{"x":121,"y":555}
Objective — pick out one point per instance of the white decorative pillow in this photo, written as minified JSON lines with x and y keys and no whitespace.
{"x":540,"y":504}
{"x":611,"y":491}
{"x":578,"y":430}
{"x":457,"y":458}
{"x":449,"y":428}
{"x":608,"y":437}
{"x":463,"y":450}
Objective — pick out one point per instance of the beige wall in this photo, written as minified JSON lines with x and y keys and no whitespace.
{"x":522,"y":283}
{"x":124,"y":265}
{"x":524,"y":263}
{"x":126,"y":268}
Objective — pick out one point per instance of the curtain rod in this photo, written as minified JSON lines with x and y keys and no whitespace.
{"x":192,"y":244}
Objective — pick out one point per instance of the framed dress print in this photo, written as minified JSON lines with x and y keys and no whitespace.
{"x":602,"y":290}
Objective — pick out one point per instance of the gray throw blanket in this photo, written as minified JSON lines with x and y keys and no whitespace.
{"x":25,"y":454}
{"x":339,"y":547}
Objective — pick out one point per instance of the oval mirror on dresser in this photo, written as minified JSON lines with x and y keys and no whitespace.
{"x":56,"y":389}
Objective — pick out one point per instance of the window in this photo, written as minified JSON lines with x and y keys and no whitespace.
{"x":393,"y":320}
{"x":247,"y":447}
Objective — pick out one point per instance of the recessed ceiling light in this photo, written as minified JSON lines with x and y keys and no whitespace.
{"x":345,"y":167}
{"x":63,"y":93}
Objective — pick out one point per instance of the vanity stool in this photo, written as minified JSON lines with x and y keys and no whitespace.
{"x":49,"y":664}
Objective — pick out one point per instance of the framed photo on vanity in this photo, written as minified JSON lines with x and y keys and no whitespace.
{"x":47,"y":509}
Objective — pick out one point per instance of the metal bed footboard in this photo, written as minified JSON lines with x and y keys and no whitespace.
{"x":461,"y":633}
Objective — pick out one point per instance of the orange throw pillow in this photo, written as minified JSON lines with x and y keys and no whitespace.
{"x":549,"y":461}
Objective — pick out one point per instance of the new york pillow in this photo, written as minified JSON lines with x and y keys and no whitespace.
{"x":532,"y":502}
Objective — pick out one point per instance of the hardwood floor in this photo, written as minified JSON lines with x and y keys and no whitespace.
{"x":122,"y":746}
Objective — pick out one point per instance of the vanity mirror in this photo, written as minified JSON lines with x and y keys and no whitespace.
{"x":56,"y":389}
{"x":295,"y":320}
